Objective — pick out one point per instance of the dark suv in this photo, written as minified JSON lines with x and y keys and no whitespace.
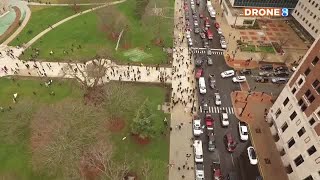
{"x":230,"y":142}
{"x":245,"y":71}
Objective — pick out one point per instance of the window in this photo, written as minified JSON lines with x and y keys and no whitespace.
{"x":317,"y":5}
{"x":303,"y":107}
{"x":312,"y":3}
{"x":311,"y":150}
{"x":311,"y":13}
{"x":278,"y":113}
{"x":291,"y":142}
{"x":299,"y":160}
{"x":300,"y":102}
{"x":318,"y":114}
{"x":315,"y":61}
{"x":318,"y":90}
{"x":311,"y":98}
{"x":303,"y":19}
{"x":315,"y":16}
{"x":284,"y":127}
{"x":301,"y":131}
{"x":300,"y":81}
{"x":316,"y":31}
{"x":308,"y":93}
{"x":285,"y":102}
{"x":312,"y":28}
{"x":293,"y":115}
{"x":293,"y":90}
{"x":315,"y":83}
{"x":312,"y":121}
{"x":307,"y":72}
{"x":308,"y":178}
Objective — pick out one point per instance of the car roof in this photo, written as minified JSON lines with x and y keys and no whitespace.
{"x":229,"y":71}
{"x":244,"y":129}
{"x":197,"y":121}
{"x":215,"y":156}
{"x":199,"y":166}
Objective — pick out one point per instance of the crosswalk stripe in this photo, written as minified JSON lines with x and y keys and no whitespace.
{"x":228,"y":110}
{"x":200,"y":109}
{"x":232,"y":111}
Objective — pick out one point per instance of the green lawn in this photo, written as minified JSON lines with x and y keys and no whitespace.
{"x":16,"y":126}
{"x":267,"y":49}
{"x":41,"y":18}
{"x":137,"y":44}
{"x":251,"y":48}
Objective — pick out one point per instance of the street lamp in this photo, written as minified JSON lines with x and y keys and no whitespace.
{"x":243,"y":109}
{"x":248,"y":95}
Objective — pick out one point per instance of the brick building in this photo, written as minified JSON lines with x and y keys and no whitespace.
{"x":295,"y":119}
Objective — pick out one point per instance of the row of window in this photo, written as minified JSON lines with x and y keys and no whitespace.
{"x":307,"y":21}
{"x":312,"y":3}
{"x":311,"y":13}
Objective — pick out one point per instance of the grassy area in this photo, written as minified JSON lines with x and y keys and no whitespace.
{"x":17,"y":153}
{"x":251,"y":48}
{"x":41,"y":18}
{"x":88,"y":31}
{"x":70,"y":1}
{"x":267,"y":49}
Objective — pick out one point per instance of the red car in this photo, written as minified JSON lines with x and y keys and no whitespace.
{"x":199,"y":73}
{"x":209,"y":121}
{"x":217,"y":25}
{"x":230,"y":142}
{"x":201,"y":15}
{"x":198,"y":2}
{"x":217,"y":175}
{"x":206,"y":22}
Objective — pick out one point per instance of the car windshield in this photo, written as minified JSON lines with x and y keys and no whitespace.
{"x":245,"y":133}
{"x":199,"y":156}
{"x":253,"y":154}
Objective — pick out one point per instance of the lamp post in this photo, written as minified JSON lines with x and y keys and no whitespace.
{"x":248,"y":95}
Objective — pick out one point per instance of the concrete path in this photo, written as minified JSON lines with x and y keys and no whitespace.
{"x":181,"y":115}
{"x":55,"y":69}
{"x":28,"y":44}
{"x":78,"y":4}
{"x":24,"y":22}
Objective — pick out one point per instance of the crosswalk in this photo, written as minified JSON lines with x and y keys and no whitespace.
{"x":217,"y":110}
{"x":204,"y":51}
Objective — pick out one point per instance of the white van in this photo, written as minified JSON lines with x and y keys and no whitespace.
{"x":202,"y":85}
{"x":198,"y":153}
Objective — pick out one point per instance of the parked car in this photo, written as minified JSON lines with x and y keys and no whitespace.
{"x":199,"y":171}
{"x":265,"y":73}
{"x":198,"y":2}
{"x":199,"y":73}
{"x":212,"y":81}
{"x":279,"y":80}
{"x":232,"y":176}
{"x":201,"y":15}
{"x":246,"y":71}
{"x":196,"y":23}
{"x":197,"y":127}
{"x":190,"y":42}
{"x":223,"y":44}
{"x":252,"y":155}
{"x":211,"y":142}
{"x":199,"y":62}
{"x":202,"y":35}
{"x":217,"y":173}
{"x":188,"y":34}
{"x":224,"y":118}
{"x":239,"y":79}
{"x":217,"y":99}
{"x":266,"y":67}
{"x":209,"y":122}
{"x":243,"y":131}
{"x":205,"y":107}
{"x":227,"y":73}
{"x":210,"y":61}
{"x":281,"y":68}
{"x":229,"y":142}
{"x":205,"y":43}
{"x":281,"y":73}
{"x":219,"y":31}
{"x":198,"y":151}
{"x":262,"y":79}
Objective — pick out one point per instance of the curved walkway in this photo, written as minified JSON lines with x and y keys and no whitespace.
{"x":23,"y":24}
{"x":28,"y":44}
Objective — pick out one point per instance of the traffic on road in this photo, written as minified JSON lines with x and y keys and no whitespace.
{"x":219,"y":138}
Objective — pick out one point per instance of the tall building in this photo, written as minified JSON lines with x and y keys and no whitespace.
{"x":295,"y":119}
{"x":264,"y":3}
{"x":307,"y":14}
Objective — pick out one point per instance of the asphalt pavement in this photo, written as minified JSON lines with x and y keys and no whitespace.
{"x":229,"y":161}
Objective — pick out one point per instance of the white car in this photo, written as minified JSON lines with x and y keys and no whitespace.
{"x":198,"y":153}
{"x":217,"y":98}
{"x":199,"y":171}
{"x":223,"y":44}
{"x":239,"y":79}
{"x":190,"y":42}
{"x":197,"y":127}
{"x":224,"y":118}
{"x":243,"y":131}
{"x":227,"y":73}
{"x":219,"y":31}
{"x":188,"y":34}
{"x":252,"y":155}
{"x":192,"y":2}
{"x":195,"y":22}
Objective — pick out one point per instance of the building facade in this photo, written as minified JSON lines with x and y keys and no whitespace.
{"x":307,"y":14}
{"x":264,"y":3}
{"x":295,"y":119}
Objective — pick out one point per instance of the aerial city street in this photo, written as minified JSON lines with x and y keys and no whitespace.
{"x":155,"y":90}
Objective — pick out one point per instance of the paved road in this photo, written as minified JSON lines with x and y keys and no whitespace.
{"x":229,"y":162}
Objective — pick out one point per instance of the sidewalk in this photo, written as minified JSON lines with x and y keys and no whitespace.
{"x":270,"y":164}
{"x":232,"y":35}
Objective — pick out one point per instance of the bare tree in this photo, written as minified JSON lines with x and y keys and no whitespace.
{"x":263,"y":56}
{"x":283,"y":41}
{"x":111,"y":19}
